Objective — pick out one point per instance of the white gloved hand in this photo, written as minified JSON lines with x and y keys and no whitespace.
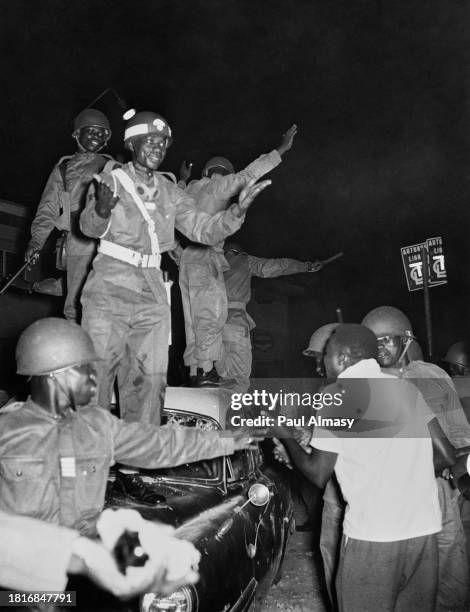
{"x":94,"y":560}
{"x":175,"y":561}
{"x":112,"y":524}
{"x":179,"y":557}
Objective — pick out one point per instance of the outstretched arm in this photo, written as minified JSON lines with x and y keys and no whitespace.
{"x":169,"y":445}
{"x":283,"y":266}
{"x":318,"y":466}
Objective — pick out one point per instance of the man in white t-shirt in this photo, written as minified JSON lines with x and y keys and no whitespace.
{"x":384,"y":465}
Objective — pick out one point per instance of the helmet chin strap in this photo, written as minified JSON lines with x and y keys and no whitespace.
{"x":67,"y":393}
{"x":82,"y":148}
{"x":408,"y":339}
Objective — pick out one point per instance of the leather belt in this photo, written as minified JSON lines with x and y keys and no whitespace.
{"x":134,"y":258}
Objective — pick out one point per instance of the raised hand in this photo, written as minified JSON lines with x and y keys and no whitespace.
{"x":249,"y":193}
{"x":185,"y":171}
{"x":287,"y":140}
{"x":105,"y":200}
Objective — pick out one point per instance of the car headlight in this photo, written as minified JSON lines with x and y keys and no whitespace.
{"x":179,"y":601}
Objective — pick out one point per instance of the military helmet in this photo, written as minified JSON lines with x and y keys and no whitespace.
{"x":387,"y":321}
{"x":52,"y":344}
{"x":147,"y":122}
{"x":218,"y":162}
{"x":319,"y":339}
{"x":458,"y":354}
{"x":91,"y":117}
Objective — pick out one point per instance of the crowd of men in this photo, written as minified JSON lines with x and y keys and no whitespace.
{"x":395,"y":520}
{"x":395,"y":531}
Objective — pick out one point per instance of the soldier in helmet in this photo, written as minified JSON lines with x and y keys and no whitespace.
{"x":457,"y":360}
{"x":134,"y":212}
{"x":394,"y":337}
{"x":316,"y":345}
{"x":201,"y":275}
{"x":57,"y":447}
{"x":63,"y":199}
{"x":237,"y":356}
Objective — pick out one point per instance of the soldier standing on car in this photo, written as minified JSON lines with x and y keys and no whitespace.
{"x":237,"y":358}
{"x":62,"y":201}
{"x":125,"y":307}
{"x":201,"y":273}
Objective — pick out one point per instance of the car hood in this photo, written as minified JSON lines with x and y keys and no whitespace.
{"x":181,"y":501}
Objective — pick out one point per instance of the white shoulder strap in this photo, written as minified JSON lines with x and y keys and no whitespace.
{"x":128,"y":185}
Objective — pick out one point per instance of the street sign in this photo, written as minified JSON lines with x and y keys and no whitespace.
{"x":412,"y":257}
{"x":437,"y":268}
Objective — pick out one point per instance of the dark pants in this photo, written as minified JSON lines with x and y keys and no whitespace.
{"x":330,"y":544}
{"x":453,"y":583}
{"x":396,"y":576}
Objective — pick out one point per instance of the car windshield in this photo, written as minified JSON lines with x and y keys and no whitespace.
{"x":209,"y":469}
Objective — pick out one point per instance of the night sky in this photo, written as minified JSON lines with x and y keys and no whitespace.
{"x":378,"y":90}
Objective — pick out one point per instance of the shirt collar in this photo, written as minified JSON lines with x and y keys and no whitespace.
{"x":366,"y":368}
{"x":31,"y":404}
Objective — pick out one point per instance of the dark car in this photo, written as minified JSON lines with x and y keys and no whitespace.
{"x":236,"y":510}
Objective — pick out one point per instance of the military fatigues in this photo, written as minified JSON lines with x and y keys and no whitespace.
{"x":441,"y":396}
{"x":202,"y":268}
{"x":201,"y":280}
{"x":61,"y":208}
{"x":236,"y":362}
{"x":125,"y":305}
{"x":56,"y":469}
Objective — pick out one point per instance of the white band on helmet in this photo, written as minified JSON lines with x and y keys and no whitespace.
{"x":143,"y":128}
{"x":136,"y":130}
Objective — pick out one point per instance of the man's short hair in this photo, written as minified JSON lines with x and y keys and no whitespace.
{"x":358,"y":340}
